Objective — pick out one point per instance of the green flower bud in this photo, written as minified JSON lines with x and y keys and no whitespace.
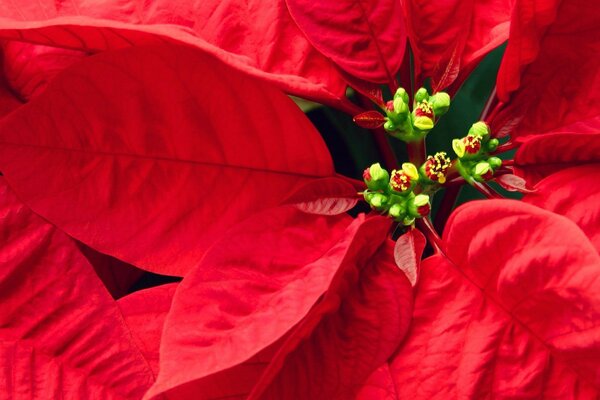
{"x":418,"y":206}
{"x":441,"y":103}
{"x":492,"y":145}
{"x":389,"y":126}
{"x":479,"y":129}
{"x":379,"y":201}
{"x":397,"y":211}
{"x":494,"y":162}
{"x":421,"y":95}
{"x":408,"y":221}
{"x":483,"y":171}
{"x":459,"y":147}
{"x":400,"y":106}
{"x":402,"y":94}
{"x":375,"y":177}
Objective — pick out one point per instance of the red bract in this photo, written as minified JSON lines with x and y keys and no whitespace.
{"x":450,"y":36}
{"x":62,"y":334}
{"x":309,"y":285}
{"x":549,"y":73}
{"x":151,"y":175}
{"x":512,"y":310}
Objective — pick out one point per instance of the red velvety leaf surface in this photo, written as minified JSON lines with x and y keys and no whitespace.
{"x":255,"y":49}
{"x":146,"y":154}
{"x":540,"y":156}
{"x":551,"y":63}
{"x":61,"y":334}
{"x":323,"y":283}
{"x":451,"y":35}
{"x":145,"y":312}
{"x":513,"y":313}
{"x":29,"y":68}
{"x":364,"y":38}
{"x":574,"y":193}
{"x":8,"y":99}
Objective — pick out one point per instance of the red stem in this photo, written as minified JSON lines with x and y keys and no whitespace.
{"x":450,"y":196}
{"x":425,"y":225}
{"x":508,"y":163}
{"x":490,"y":104}
{"x":486,"y":190}
{"x":417,"y":151}
{"x":505,"y":147}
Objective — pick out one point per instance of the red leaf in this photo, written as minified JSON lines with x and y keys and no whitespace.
{"x":62,"y":335}
{"x":311,"y":297}
{"x":513,"y":183}
{"x":328,"y":196}
{"x":145,"y":312}
{"x":29,"y":68}
{"x":407,"y":254}
{"x":251,"y":36}
{"x":370,"y":90}
{"x":365,"y":38}
{"x":281,"y":260}
{"x":369,"y":119}
{"x":449,"y":36}
{"x":574,"y":193}
{"x":542,"y":155}
{"x":150,"y":175}
{"x":548,"y":74}
{"x":513,"y":313}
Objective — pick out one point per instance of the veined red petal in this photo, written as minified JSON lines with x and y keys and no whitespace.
{"x":62,"y":336}
{"x":136,"y":153}
{"x":512,"y":312}
{"x":549,"y":74}
{"x":311,"y":298}
{"x":452,"y":35}
{"x":327,"y":196}
{"x":574,"y":193}
{"x":257,"y":49}
{"x":365,"y":38}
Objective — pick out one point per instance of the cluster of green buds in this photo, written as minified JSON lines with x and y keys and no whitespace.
{"x":414,"y":125}
{"x":474,"y":161}
{"x":393,"y":193}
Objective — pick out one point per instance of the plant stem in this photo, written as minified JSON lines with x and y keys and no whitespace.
{"x":450,"y":196}
{"x":417,"y":152}
{"x":487,"y":191}
{"x":490,"y":104}
{"x":425,"y":225}
{"x":505,"y":147}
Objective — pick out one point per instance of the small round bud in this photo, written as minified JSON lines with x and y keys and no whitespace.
{"x":379,"y":200}
{"x":400,"y":106}
{"x":483,"y":171}
{"x":421,"y":95}
{"x":492,"y":145}
{"x":389,"y":126}
{"x":375,"y":177}
{"x":419,"y":206}
{"x":459,"y":147}
{"x":441,"y":103}
{"x":495,"y":162}
{"x":397,"y":210}
{"x":401,"y":93}
{"x":479,"y":129}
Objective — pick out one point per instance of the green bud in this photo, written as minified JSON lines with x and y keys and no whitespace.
{"x":418,"y":206}
{"x":379,"y":200}
{"x":400,"y":106}
{"x":480,"y":129}
{"x":421,"y":95}
{"x":459,"y":147}
{"x":423,"y":123}
{"x":492,"y":145}
{"x":397,"y":211}
{"x":368,"y":196}
{"x":494,"y":162}
{"x":375,"y":177}
{"x":389,"y":126}
{"x":408,"y":221}
{"x":441,"y":103}
{"x":481,"y":168}
{"x":402,"y":94}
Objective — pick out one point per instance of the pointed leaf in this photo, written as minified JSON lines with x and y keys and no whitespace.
{"x":407,"y":254}
{"x":447,"y":37}
{"x":550,"y":60}
{"x":152,"y":174}
{"x":513,"y":183}
{"x":62,"y":336}
{"x":328,"y":196}
{"x":542,"y":155}
{"x":369,"y":119}
{"x":574,"y":193}
{"x":255,"y":48}
{"x":513,"y":312}
{"x":364,"y":38}
{"x":255,"y":284}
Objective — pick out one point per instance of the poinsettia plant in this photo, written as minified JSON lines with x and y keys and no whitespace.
{"x":157,"y":136}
